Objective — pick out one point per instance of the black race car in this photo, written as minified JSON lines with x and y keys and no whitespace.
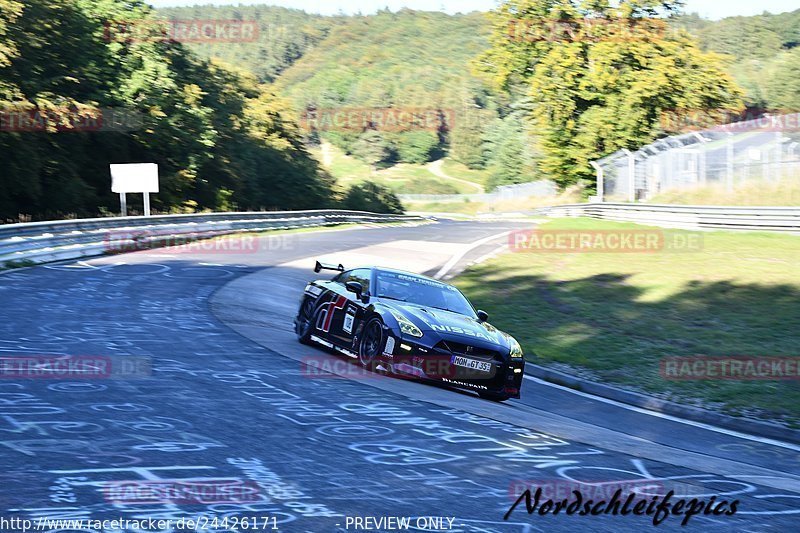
{"x":410,"y":325}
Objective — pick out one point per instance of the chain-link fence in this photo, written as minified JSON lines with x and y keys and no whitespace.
{"x":727,"y":156}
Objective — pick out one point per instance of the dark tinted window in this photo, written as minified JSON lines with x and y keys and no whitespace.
{"x":422,"y":291}
{"x":360,"y":275}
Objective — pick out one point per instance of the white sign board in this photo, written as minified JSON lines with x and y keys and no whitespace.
{"x":134,"y":177}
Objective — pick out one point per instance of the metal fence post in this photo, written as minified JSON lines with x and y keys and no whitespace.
{"x":600,"y":184}
{"x":701,"y":152}
{"x":766,"y":174}
{"x":730,"y":153}
{"x":631,"y":175}
{"x":717,"y":156}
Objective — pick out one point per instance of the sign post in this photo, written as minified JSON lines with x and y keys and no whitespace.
{"x":134,"y":177}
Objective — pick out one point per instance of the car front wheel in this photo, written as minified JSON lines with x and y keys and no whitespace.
{"x":372,"y":339}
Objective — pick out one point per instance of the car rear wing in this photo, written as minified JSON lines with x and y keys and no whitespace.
{"x":327,"y":266}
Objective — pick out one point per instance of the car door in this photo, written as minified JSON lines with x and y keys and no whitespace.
{"x":348,"y":312}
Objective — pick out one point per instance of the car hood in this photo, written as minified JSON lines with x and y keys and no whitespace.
{"x":451,"y":326}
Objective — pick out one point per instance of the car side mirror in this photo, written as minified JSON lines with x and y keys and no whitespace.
{"x":354,"y":286}
{"x":483,"y":316}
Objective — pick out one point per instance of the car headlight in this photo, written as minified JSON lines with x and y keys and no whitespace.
{"x":406,"y":326}
{"x":516,"y":349}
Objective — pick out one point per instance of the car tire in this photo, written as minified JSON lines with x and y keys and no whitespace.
{"x":371,"y":343}
{"x":303,"y":325}
{"x":492,"y":396}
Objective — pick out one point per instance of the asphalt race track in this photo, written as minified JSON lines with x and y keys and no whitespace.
{"x":231,"y":395}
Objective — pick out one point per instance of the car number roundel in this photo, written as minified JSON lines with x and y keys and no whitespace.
{"x":349,"y":318}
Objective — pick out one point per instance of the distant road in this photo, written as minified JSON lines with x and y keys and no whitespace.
{"x":435,"y":168}
{"x":327,"y":154}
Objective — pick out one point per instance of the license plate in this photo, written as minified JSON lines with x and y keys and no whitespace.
{"x":472,"y":364}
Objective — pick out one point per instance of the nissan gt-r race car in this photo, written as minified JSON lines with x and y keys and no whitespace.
{"x":410,"y":325}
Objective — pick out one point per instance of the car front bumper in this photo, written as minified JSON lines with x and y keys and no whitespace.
{"x":490,"y":375}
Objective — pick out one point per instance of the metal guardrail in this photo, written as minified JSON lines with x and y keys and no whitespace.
{"x":783,"y":219}
{"x":42,"y":242}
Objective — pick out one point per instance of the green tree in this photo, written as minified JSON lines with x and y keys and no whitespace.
{"x":510,"y":149}
{"x":371,"y":148}
{"x":283,"y":35}
{"x":372,"y":197}
{"x":755,"y":43}
{"x":10,"y":10}
{"x":781,"y":87}
{"x":219,"y":139}
{"x":466,"y":139}
{"x":415,"y":146}
{"x":604,"y":89}
{"x":404,"y":60}
{"x":743,"y":37}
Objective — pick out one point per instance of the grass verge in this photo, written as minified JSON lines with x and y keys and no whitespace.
{"x":461,"y":171}
{"x":614,"y":316}
{"x":571,"y":196}
{"x":401,"y":178}
{"x":755,"y":193}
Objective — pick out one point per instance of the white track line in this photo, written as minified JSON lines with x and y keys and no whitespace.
{"x":701,"y":425}
{"x":456,"y":258}
{"x":491,"y":255}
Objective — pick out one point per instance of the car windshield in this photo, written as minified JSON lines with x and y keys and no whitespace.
{"x":422,"y":291}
